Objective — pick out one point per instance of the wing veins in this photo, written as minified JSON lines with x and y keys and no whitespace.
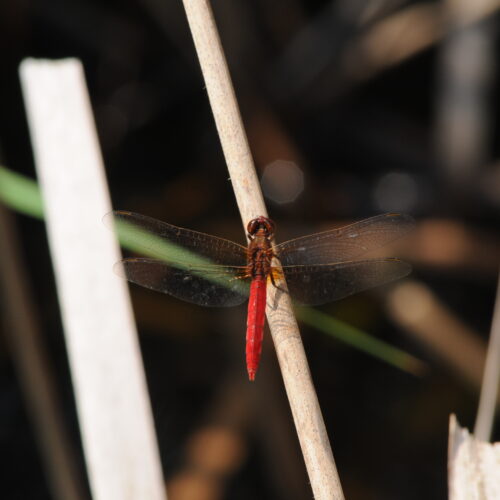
{"x":346,"y":242}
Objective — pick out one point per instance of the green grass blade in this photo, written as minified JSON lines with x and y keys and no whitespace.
{"x":20,"y":193}
{"x":360,"y":340}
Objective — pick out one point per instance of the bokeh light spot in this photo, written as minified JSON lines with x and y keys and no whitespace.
{"x":282,"y":181}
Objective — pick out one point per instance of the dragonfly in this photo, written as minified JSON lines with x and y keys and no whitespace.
{"x":212,"y":271}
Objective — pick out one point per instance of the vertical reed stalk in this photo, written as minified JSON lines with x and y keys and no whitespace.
{"x":489,"y":388}
{"x":106,"y":367}
{"x":293,"y":363}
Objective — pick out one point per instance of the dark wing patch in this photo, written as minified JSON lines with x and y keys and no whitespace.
{"x":215,"y":286}
{"x":315,"y":285}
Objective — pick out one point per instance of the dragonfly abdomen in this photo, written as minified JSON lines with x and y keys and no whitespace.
{"x":255,"y":324}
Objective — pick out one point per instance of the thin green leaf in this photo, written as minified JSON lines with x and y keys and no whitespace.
{"x":360,"y":340}
{"x":20,"y":193}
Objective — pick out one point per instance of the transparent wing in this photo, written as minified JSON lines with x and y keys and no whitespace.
{"x":217,"y":286}
{"x":345,"y":243}
{"x":160,"y":240}
{"x":315,"y":285}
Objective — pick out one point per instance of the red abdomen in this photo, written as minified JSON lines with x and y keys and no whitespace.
{"x":255,"y":324}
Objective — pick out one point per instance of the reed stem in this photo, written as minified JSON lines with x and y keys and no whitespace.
{"x":304,"y":403}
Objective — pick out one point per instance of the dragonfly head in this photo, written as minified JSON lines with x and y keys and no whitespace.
{"x":261,"y":224}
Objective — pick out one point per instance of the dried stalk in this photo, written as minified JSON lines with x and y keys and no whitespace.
{"x":108,"y":378}
{"x":473,"y":465}
{"x":293,"y":363}
{"x":489,"y":388}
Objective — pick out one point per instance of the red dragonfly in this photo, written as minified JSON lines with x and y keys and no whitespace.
{"x":211,"y":271}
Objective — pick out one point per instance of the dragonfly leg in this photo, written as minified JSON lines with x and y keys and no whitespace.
{"x":274,"y":283}
{"x":241,"y":277}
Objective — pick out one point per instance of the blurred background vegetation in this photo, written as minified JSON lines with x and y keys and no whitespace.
{"x":352,"y":108}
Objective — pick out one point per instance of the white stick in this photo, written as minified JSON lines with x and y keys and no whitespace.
{"x":473,"y":466}
{"x":489,"y":388}
{"x":290,"y":351}
{"x":110,"y":390}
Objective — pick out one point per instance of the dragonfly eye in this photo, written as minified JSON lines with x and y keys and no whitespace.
{"x":252,"y":227}
{"x":269,"y":226}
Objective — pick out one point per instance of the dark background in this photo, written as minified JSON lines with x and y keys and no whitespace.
{"x":379,"y":117}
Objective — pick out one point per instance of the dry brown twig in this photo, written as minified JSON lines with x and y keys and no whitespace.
{"x":283,"y":325}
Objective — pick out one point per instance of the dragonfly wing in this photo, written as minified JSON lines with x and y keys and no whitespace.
{"x":163,"y":241}
{"x":217,"y":286}
{"x":345,"y":243}
{"x":315,"y":285}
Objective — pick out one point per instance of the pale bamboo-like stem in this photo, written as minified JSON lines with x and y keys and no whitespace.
{"x":290,"y":351}
{"x":489,"y":388}
{"x":111,"y":396}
